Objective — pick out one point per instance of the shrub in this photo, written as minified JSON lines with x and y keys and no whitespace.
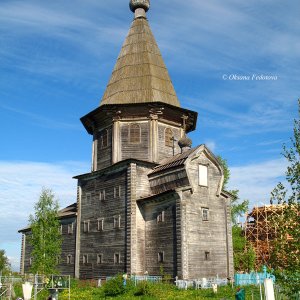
{"x":143,"y":289}
{"x":114,"y":286}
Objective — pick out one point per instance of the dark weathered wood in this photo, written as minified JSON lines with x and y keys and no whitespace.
{"x":130,"y":214}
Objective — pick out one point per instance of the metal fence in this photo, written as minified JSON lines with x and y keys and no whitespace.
{"x":153,"y":279}
{"x":203,"y":283}
{"x":252,"y":278}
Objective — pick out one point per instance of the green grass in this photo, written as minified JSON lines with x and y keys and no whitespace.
{"x":144,"y":291}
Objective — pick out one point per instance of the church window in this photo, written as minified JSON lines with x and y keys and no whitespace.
{"x":104,"y":139}
{"x":207,"y":255}
{"x":60,"y":229}
{"x":203,"y":175}
{"x":85,"y":259}
{"x":160,"y":217}
{"x":169,"y":137}
{"x":102,"y":195}
{"x":117,"y":221}
{"x":100,"y":225}
{"x":88,"y":197}
{"x":135,"y":134}
{"x":117,"y":258}
{"x":58,"y":259}
{"x":161,"y":257}
{"x":69,"y":259}
{"x":86,"y":226}
{"x":99,"y":259}
{"x":70,"y":228}
{"x":205,"y":214}
{"x":117,"y":192}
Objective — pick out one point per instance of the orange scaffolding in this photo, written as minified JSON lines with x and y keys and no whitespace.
{"x":260,"y":232}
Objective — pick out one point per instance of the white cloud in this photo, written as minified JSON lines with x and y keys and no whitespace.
{"x":256,"y":181}
{"x":21,"y":184}
{"x":211,"y":145}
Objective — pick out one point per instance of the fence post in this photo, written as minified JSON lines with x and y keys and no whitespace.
{"x":35,"y":287}
{"x":269,"y":289}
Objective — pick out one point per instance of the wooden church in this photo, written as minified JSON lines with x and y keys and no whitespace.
{"x":150,"y":199}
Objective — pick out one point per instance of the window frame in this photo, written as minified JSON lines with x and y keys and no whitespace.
{"x":205,"y":214}
{"x":117,"y":222}
{"x":86,"y":226}
{"x":88,"y":197}
{"x":117,"y":192}
{"x":134,"y":133}
{"x":102,"y":196}
{"x":161,"y":256}
{"x":169,"y":136}
{"x":100,"y":224}
{"x":85,"y":259}
{"x":99,"y":258}
{"x":104,"y":139}
{"x":71,"y":228}
{"x":203,"y":175}
{"x":69,"y":259}
{"x":207,"y":255}
{"x":117,"y":258}
{"x":160,"y":218}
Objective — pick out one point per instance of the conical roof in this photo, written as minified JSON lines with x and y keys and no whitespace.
{"x":140,"y":75}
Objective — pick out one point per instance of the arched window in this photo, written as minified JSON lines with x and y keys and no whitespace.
{"x":169,"y":137}
{"x":135,"y":134}
{"x":104,"y":139}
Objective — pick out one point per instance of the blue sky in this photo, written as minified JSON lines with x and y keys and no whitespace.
{"x":56,"y":58}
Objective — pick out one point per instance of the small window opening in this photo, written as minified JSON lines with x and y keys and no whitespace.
{"x":117,"y":258}
{"x":160,"y":217}
{"x":203,"y":175}
{"x":102,"y":195}
{"x":69,"y":259}
{"x":135,"y":134}
{"x":104,"y":139}
{"x":205,"y":214}
{"x":100,"y":224}
{"x":70,"y":228}
{"x":160,"y":257}
{"x":85,"y":259}
{"x":169,"y":137}
{"x":99,"y":259}
{"x":86,"y":226}
{"x":207,"y":255}
{"x":117,"y":221}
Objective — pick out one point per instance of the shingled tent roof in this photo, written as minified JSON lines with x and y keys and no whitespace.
{"x":140,"y":75}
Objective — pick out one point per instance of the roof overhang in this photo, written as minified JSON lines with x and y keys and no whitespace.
{"x":105,"y":114}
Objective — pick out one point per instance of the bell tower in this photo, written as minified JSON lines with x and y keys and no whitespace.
{"x":139,"y":116}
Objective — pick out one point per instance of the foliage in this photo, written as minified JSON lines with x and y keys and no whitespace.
{"x":114,"y":286}
{"x":237,"y":208}
{"x":45,"y":235}
{"x":4,"y":263}
{"x":158,"y":291}
{"x":285,"y":256}
{"x":244,"y":254}
{"x":226,"y":170}
{"x":143,"y":289}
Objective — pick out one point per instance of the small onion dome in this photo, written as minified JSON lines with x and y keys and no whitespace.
{"x":135,"y":4}
{"x":185,"y":142}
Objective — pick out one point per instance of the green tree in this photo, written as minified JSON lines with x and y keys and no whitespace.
{"x":45,"y":234}
{"x":243,"y":252}
{"x":285,"y":256}
{"x":4,"y":263}
{"x":238,"y":208}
